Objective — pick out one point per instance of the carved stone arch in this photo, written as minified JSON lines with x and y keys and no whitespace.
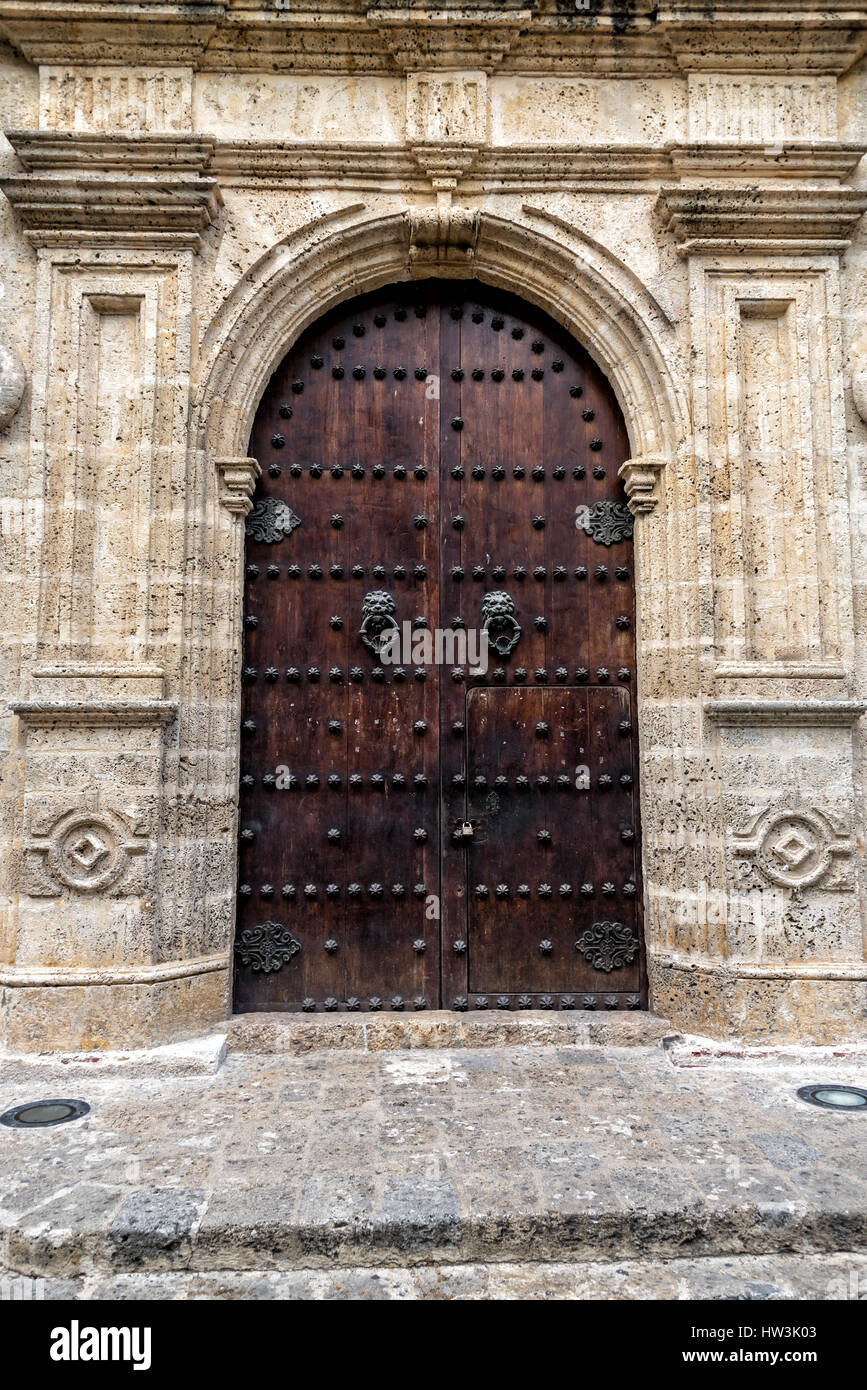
{"x":343,"y":254}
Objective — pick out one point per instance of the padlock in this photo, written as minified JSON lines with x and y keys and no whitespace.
{"x":466,"y":830}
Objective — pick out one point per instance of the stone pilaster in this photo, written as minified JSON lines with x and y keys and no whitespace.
{"x":765,"y":936}
{"x":97,"y":848}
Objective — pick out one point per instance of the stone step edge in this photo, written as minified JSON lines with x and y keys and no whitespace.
{"x":202,"y":1056}
{"x":691,"y":1051}
{"x":243,"y":1244}
{"x":832,"y":1275}
{"x":299,"y":1034}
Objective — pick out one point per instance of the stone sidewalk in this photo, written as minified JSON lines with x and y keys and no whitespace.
{"x":567,"y":1171}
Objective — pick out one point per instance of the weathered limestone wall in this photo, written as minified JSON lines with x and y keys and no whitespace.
{"x":181,"y":198}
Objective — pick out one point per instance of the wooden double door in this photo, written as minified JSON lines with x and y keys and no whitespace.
{"x":421,"y":827}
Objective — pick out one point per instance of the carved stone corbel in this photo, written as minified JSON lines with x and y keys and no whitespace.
{"x":443,"y":236}
{"x":13,"y":379}
{"x":640,"y":477}
{"x":238,"y":479}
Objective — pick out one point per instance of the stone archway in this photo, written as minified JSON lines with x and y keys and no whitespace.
{"x":439,"y":458}
{"x":604,"y":306}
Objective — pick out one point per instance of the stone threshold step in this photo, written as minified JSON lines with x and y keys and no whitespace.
{"x":297,"y":1034}
{"x":201,"y":1056}
{"x":257,"y":1229}
{"x":691,"y":1052}
{"x":742,"y":1277}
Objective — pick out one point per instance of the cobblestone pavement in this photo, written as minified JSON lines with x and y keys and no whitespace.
{"x":501,"y":1172}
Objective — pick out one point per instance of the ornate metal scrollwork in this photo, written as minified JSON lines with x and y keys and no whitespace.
{"x":606,"y":522}
{"x":270,"y":520}
{"x":499,"y":621}
{"x":377,"y":614}
{"x":266,"y":947}
{"x":608,"y":945}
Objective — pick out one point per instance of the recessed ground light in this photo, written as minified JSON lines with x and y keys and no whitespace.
{"x":38,"y":1114}
{"x":834,"y":1097}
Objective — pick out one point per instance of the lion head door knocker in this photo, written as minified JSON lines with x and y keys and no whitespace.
{"x":377,"y":618}
{"x":500,"y":623}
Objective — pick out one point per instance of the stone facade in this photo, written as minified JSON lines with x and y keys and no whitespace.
{"x":186,"y":190}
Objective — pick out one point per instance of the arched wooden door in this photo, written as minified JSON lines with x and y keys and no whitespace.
{"x":439,"y":458}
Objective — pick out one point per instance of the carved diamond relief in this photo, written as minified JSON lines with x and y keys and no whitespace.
{"x":793,"y":846}
{"x":87,"y":851}
{"x":793,"y":849}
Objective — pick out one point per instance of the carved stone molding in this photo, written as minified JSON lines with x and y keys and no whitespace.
{"x":92,"y":714}
{"x":772,"y":220}
{"x":445,"y":165}
{"x":43,"y":151}
{"x":794,"y":846}
{"x":112,"y":189}
{"x":807,"y":713}
{"x":46,"y":33}
{"x":97,"y":681}
{"x":596,"y":297}
{"x":476,"y":166}
{"x":446,"y":121}
{"x":734,"y":967}
{"x":35,"y":977}
{"x":71,"y":211}
{"x":238,"y":479}
{"x":442,"y":236}
{"x":641,"y":38}
{"x":803,"y":37}
{"x":342,"y":163}
{"x":13,"y":379}
{"x":785,"y":159}
{"x":446,"y":141}
{"x":640,"y":477}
